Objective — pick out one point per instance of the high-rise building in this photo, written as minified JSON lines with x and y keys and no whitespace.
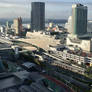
{"x":38,"y":16}
{"x":18,"y":26}
{"x":7,"y":27}
{"x":79,"y":19}
{"x":68,"y":25}
{"x":7,"y":24}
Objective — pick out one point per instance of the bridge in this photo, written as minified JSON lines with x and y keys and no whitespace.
{"x":3,"y":40}
{"x":62,"y":63}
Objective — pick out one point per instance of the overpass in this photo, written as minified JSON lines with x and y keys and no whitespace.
{"x":62,"y":63}
{"x":1,"y":49}
{"x":3,"y":40}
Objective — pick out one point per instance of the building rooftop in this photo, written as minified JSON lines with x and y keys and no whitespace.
{"x":15,"y":82}
{"x":10,"y":81}
{"x":78,"y":5}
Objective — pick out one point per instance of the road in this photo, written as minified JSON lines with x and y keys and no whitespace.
{"x":63,"y":64}
{"x":5,"y":49}
{"x":3,"y":40}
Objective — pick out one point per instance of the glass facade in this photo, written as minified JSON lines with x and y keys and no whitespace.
{"x":79,"y":19}
{"x":38,"y":16}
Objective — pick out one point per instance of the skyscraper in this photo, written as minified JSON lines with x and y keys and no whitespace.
{"x":68,"y":25}
{"x":38,"y":16}
{"x":7,"y":27}
{"x":79,"y":19}
{"x":18,"y":26}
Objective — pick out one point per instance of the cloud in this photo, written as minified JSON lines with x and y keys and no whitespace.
{"x":12,"y":10}
{"x":7,"y":5}
{"x":54,"y":8}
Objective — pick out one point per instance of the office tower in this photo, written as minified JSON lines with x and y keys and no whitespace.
{"x":68,"y":25}
{"x":79,"y":19}
{"x":38,"y":16}
{"x":18,"y":26}
{"x":7,"y":27}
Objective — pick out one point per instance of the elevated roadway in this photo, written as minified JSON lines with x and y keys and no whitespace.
{"x":63,"y":64}
{"x":3,"y":40}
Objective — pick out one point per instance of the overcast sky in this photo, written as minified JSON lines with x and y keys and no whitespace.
{"x":57,"y":9}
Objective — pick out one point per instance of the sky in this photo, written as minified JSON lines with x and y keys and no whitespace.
{"x":55,"y":9}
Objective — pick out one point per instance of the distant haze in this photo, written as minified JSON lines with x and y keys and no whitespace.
{"x":55,"y":9}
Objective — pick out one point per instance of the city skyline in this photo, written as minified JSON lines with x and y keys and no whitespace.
{"x":45,"y":45}
{"x":62,"y":8}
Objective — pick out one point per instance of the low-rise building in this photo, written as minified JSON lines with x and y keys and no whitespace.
{"x":79,"y":59}
{"x":85,"y":44}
